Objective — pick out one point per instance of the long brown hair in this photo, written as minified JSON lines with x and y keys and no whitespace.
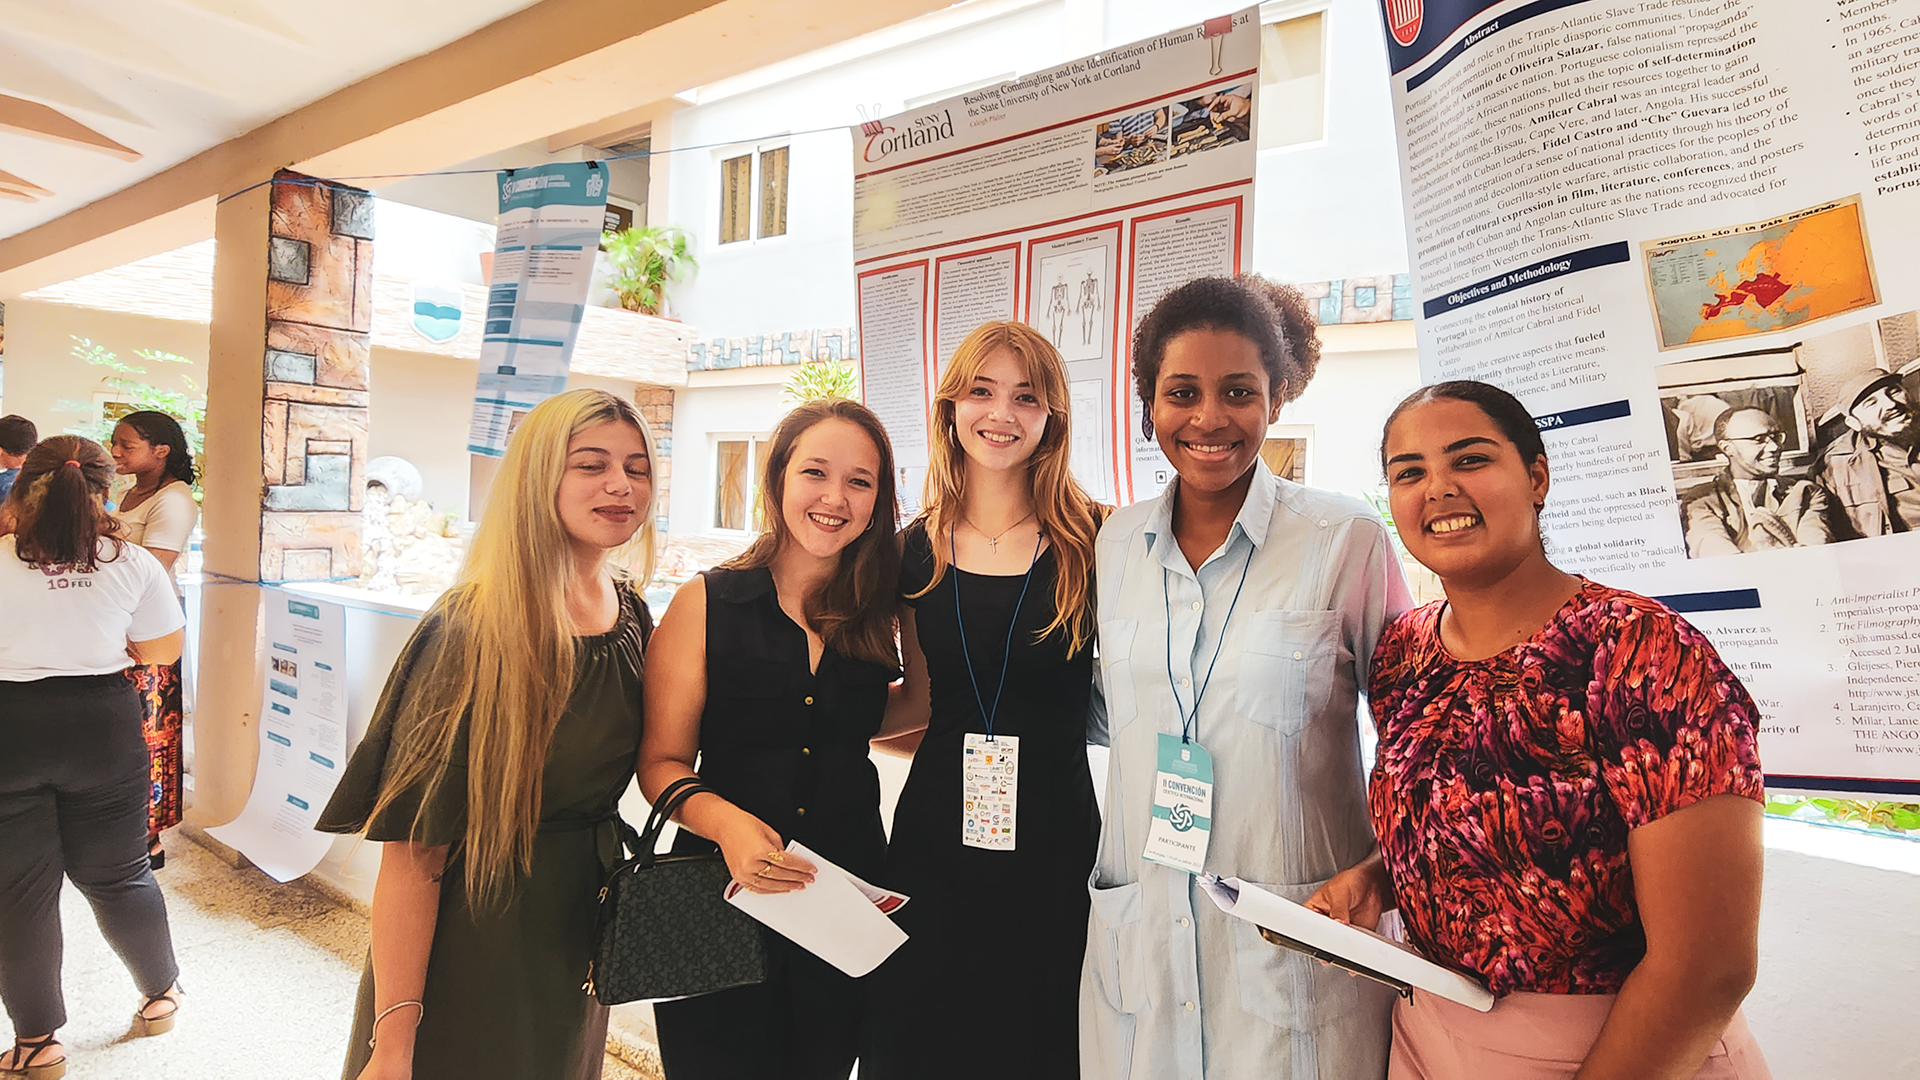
{"x":506,"y":665}
{"x":1067,"y":515}
{"x":59,"y":505}
{"x":854,"y":611}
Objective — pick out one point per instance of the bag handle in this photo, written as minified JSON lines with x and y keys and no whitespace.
{"x":663,"y":807}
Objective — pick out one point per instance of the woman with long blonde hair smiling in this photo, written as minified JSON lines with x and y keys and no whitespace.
{"x":506,"y":734}
{"x":995,"y":830}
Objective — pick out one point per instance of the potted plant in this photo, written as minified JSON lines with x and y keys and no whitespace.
{"x":642,"y":260}
{"x":822,"y":379}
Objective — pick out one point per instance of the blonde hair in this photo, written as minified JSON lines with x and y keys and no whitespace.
{"x":1067,"y":515}
{"x":505,"y":667}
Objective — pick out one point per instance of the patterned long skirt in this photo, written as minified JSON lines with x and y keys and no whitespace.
{"x":162,"y":720}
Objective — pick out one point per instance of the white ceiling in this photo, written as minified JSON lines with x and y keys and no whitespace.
{"x":171,"y":78}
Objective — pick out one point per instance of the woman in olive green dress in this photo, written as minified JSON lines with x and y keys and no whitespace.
{"x":505,"y":736}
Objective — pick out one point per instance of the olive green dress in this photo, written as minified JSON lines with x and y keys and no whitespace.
{"x":503,"y":997}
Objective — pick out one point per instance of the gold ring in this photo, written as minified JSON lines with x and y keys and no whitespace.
{"x":763,"y":871}
{"x":775,"y":856}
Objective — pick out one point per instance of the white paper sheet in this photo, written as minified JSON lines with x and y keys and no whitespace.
{"x":302,"y":738}
{"x":1288,"y":919}
{"x":837,"y":918}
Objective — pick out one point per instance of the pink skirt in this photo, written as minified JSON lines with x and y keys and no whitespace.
{"x":1531,"y":1037}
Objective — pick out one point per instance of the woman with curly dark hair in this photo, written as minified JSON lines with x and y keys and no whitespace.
{"x":1231,"y":710}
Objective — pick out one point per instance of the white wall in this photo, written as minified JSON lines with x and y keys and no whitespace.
{"x":805,"y":278}
{"x":41,"y":369}
{"x":1345,"y":405}
{"x":420,"y":408}
{"x":698,"y":413}
{"x":1839,"y":955}
{"x":1329,"y":209}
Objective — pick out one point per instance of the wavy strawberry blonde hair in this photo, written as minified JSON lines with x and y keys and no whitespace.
{"x":1067,"y":514}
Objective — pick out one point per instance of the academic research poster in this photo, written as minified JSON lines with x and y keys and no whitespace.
{"x":1678,"y":230}
{"x":303,"y":737}
{"x":549,"y":233}
{"x":1071,"y":199}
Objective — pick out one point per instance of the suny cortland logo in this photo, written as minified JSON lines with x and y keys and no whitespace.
{"x":884,"y":139}
{"x":1403,"y":20}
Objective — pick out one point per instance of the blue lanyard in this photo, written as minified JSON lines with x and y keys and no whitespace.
{"x":953,"y":560}
{"x":1189,"y":723}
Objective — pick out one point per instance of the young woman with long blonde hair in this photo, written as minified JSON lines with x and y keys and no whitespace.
{"x":506,"y":734}
{"x":771,"y":675}
{"x":995,"y":831}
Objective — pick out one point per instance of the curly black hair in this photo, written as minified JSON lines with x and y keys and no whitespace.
{"x":1274,"y":318}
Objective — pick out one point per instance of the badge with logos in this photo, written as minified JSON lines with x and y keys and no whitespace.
{"x":989,"y":791}
{"x":1182,"y":820}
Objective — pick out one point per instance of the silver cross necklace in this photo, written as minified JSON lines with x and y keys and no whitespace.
{"x":993,"y":542}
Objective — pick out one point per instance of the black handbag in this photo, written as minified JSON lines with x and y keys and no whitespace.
{"x":665,"y":927}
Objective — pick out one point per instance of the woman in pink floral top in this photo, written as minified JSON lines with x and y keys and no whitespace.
{"x":1567,"y":793}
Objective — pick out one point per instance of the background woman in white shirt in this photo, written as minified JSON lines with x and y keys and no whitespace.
{"x":82,"y":604}
{"x":158,"y":513}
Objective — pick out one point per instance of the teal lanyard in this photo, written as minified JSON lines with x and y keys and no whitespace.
{"x":1190,"y":724}
{"x":953,"y":560}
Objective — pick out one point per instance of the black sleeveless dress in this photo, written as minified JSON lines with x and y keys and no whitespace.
{"x":988,"y":983}
{"x":789,"y":746}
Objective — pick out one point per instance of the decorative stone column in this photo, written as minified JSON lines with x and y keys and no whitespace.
{"x":314,"y":427}
{"x":656,"y":405}
{"x":286,"y":450}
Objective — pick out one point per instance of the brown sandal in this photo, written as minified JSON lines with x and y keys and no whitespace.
{"x":45,"y":1070}
{"x":158,"y":1025}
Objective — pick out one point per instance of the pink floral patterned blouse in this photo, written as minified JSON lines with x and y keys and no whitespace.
{"x":1504,"y":788}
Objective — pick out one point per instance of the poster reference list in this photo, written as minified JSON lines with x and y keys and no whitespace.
{"x":1665,"y":225}
{"x":1071,"y":199}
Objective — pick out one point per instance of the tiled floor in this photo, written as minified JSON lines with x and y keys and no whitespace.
{"x":270,"y":972}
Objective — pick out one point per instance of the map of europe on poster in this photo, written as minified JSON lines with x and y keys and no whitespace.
{"x":1760,"y":277}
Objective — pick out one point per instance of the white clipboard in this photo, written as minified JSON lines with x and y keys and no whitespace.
{"x":1359,"y":951}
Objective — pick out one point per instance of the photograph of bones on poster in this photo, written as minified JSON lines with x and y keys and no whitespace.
{"x":1216,"y":119}
{"x":1795,"y":447}
{"x":1130,"y":142}
{"x":1761,"y":276}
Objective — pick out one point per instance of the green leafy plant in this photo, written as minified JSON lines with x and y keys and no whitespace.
{"x":1382,"y":506}
{"x":1869,"y":814}
{"x":643,"y":260}
{"x":822,"y":379}
{"x":189,"y":406}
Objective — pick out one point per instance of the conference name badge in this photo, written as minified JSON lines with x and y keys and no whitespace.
{"x":1182,"y":820}
{"x":989,"y":791}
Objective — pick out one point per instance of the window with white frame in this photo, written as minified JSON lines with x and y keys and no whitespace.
{"x":1293,"y":81}
{"x":736,"y":482}
{"x":753,"y":194}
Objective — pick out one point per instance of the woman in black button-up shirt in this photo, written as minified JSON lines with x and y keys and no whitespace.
{"x":771,"y":672}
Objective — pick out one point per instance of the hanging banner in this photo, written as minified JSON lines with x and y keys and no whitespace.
{"x":1656,"y":223}
{"x":1071,"y":199}
{"x":550,"y":220}
{"x":303,"y":738}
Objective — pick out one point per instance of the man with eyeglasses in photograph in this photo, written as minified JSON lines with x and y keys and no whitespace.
{"x":1870,"y":470}
{"x":1751,"y":507}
